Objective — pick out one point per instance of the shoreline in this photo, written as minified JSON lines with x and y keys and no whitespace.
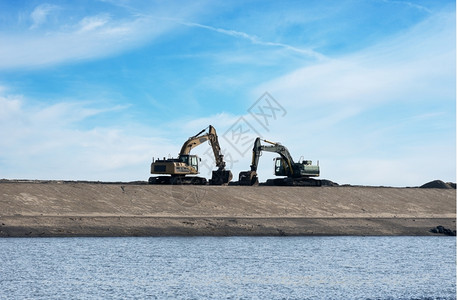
{"x":121,"y":226}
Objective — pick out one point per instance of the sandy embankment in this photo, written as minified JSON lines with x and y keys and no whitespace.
{"x":102,"y":209}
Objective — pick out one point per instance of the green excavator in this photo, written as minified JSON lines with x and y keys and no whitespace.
{"x":296,"y":173}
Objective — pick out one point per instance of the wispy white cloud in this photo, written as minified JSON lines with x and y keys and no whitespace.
{"x":90,"y":39}
{"x":409,"y":4}
{"x":40,"y":14}
{"x":416,"y":64}
{"x":93,"y":22}
{"x":255,"y":39}
{"x":76,"y":38}
{"x":45,"y":142}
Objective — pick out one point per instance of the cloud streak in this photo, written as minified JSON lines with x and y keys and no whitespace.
{"x":255,"y":39}
{"x":410,"y":4}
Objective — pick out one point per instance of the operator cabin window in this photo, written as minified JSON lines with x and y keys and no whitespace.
{"x":279,"y":167}
{"x":193,"y":161}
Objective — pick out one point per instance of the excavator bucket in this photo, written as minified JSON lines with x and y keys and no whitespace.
{"x":221,"y":177}
{"x":248,"y":178}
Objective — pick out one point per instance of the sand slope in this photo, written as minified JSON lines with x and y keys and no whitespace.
{"x":102,"y":209}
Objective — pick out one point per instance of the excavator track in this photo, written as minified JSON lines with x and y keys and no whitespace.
{"x":178,"y":180}
{"x":293,"y":182}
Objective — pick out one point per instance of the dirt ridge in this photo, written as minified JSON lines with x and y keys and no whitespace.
{"x":76,"y":208}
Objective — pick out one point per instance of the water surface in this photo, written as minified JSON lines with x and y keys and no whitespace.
{"x":229,"y":268}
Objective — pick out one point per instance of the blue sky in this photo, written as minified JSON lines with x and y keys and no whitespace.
{"x":92,"y":90}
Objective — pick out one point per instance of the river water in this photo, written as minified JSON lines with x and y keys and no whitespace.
{"x":228,"y":268}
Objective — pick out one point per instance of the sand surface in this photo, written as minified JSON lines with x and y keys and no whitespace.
{"x":123,"y":209}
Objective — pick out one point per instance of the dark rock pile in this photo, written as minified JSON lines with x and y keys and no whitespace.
{"x":443,"y":230}
{"x":438,"y":184}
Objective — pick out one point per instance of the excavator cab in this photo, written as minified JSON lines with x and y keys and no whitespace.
{"x":280,"y":167}
{"x":190,"y":160}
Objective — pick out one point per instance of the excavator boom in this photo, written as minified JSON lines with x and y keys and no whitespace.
{"x":193,"y":142}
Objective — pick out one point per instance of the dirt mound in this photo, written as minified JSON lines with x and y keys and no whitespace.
{"x":438,"y":184}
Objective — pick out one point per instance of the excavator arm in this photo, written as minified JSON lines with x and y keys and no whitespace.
{"x":220,"y":176}
{"x":214,"y":142}
{"x":200,"y":138}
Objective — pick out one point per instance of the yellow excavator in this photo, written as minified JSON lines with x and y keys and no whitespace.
{"x":297,"y":173}
{"x":175,"y":170}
